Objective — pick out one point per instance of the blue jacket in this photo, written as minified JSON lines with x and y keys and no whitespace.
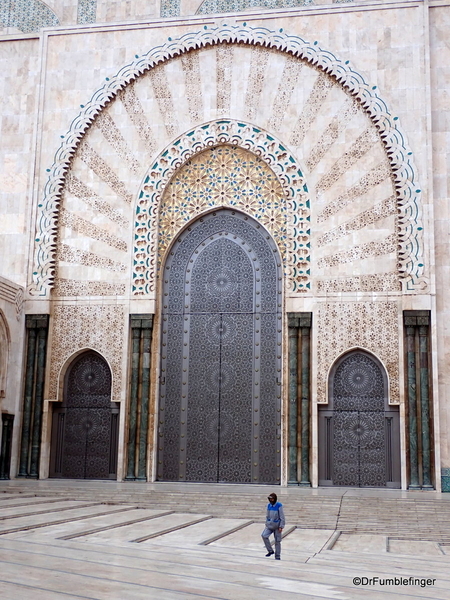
{"x":275,"y":514}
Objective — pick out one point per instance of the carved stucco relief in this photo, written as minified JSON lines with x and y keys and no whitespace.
{"x":99,"y":328}
{"x":372,"y":326}
{"x":246,"y":168}
{"x":395,"y":170}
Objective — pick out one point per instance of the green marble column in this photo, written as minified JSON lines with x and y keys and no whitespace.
{"x":145,"y":396}
{"x":305,"y":323}
{"x":425,"y":404}
{"x":27,"y":403}
{"x":37,"y":331}
{"x":38,"y":401}
{"x":132,"y":414}
{"x":138,"y":415}
{"x":5,"y":450}
{"x":412,"y":409}
{"x":293,"y":398}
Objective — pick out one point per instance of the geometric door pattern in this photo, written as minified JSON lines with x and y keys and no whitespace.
{"x":359,"y":431}
{"x":219,"y":405}
{"x":85,"y":426}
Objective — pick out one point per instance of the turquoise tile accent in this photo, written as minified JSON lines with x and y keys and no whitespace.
{"x":27,"y":15}
{"x":223,"y":6}
{"x":87,"y":11}
{"x":170,"y":8}
{"x":445,"y":477}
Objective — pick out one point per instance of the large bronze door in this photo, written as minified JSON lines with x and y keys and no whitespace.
{"x":85,"y":426}
{"x":219,"y":406}
{"x":359,"y":438}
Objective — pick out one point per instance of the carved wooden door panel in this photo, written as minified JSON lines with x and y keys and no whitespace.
{"x":219,"y":413}
{"x":84,"y":440}
{"x":359,"y":431}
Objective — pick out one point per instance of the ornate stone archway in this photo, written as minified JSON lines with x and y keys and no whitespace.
{"x":383,"y":132}
{"x":228,"y":164}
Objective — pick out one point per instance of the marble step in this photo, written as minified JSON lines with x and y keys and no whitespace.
{"x":161,"y":571}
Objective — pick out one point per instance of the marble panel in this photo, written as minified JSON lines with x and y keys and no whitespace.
{"x":248,"y":537}
{"x":195,"y":534}
{"x":417,"y":548}
{"x":356,"y":542}
{"x":50,"y":518}
{"x":8,"y":513}
{"x":307,"y":540}
{"x":132,"y":532}
{"x":115,"y":519}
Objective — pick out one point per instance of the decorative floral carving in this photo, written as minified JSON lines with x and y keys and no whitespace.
{"x":112,"y":134}
{"x":97,"y":327}
{"x":287,"y":213}
{"x":90,"y":230}
{"x":360,"y":252}
{"x":382,"y":282}
{"x":70,"y":254}
{"x":80,"y":190}
{"x":368,"y":181}
{"x":373,"y":326}
{"x":379,"y":211}
{"x":340,"y":72}
{"x":320,"y":90}
{"x":73,"y":287}
{"x":89,"y":156}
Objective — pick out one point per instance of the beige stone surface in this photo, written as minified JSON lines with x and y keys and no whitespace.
{"x":400,"y":50}
{"x":440,"y":122}
{"x":44,"y":566}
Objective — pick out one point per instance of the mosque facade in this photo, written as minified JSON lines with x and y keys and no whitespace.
{"x":224,"y":241}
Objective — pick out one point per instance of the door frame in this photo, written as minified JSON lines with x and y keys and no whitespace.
{"x":58,"y":420}
{"x":326,"y":427}
{"x":152,"y":462}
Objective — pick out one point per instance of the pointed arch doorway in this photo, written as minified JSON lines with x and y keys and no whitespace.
{"x":220,"y":381}
{"x":85,"y":425}
{"x":359,"y":432}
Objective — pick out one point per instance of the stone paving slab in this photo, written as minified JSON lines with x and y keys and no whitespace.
{"x":307,"y":540}
{"x":132,"y":582}
{"x":27,"y":501}
{"x":20,"y":591}
{"x":36,"y":565}
{"x":52,"y":518}
{"x":414,"y":547}
{"x":248,"y":537}
{"x":131,"y":532}
{"x":196,"y":534}
{"x":160,"y":578}
{"x":25,"y":510}
{"x":113,"y":519}
{"x":353,"y":542}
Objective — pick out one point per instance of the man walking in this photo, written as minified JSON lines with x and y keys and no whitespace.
{"x":274,"y":524}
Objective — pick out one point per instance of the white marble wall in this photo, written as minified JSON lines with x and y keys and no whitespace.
{"x":12,"y":338}
{"x":440,"y":122}
{"x":19,"y":90}
{"x":387,"y":46}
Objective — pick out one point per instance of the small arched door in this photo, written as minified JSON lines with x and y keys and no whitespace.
{"x":85,"y":425}
{"x":359,"y":437}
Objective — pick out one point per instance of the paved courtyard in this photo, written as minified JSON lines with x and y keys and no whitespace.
{"x":126,"y":541}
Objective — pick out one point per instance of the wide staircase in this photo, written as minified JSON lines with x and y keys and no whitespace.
{"x":132,"y":541}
